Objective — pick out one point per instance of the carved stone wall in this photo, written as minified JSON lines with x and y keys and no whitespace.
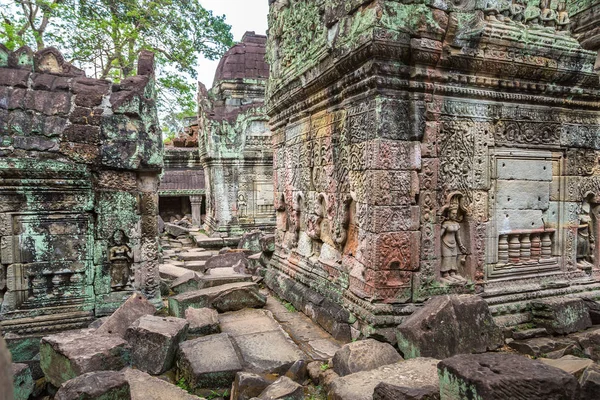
{"x":430,"y":148}
{"x":79,"y":165}
{"x":235,"y":142}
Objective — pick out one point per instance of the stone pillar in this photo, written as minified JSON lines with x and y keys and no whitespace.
{"x":196,"y":202}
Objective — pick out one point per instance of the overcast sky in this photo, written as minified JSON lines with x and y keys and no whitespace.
{"x":242,"y":15}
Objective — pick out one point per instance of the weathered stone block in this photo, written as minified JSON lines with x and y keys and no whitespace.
{"x":413,"y":373}
{"x":248,"y":385}
{"x":590,"y":383}
{"x":385,"y":391}
{"x":185,"y":283}
{"x":135,"y":307}
{"x":66,"y":355}
{"x":208,"y":362}
{"x":561,"y":315}
{"x":154,"y":342}
{"x":176,"y":230}
{"x":537,"y":347}
{"x":101,"y":385}
{"x":449,"y":325}
{"x":146,"y":387}
{"x":6,"y":381}
{"x":589,"y":342}
{"x":226,"y":260}
{"x":22,"y":381}
{"x":363,"y":355}
{"x":571,"y":364}
{"x":230,"y":297}
{"x":503,"y":376}
{"x":202,"y":321}
{"x":283,"y":389}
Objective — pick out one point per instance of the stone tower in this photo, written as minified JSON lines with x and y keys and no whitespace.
{"x":235,"y":142}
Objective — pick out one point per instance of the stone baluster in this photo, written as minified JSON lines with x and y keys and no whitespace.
{"x":514,"y":249}
{"x":57,"y":281}
{"x":503,"y":249}
{"x":546,"y":245}
{"x":536,"y":246}
{"x":39,"y":285}
{"x":525,"y":247}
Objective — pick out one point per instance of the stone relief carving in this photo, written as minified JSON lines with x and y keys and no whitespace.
{"x":586,"y":240}
{"x":242,"y":206}
{"x":453,"y":251}
{"x":120,"y":257}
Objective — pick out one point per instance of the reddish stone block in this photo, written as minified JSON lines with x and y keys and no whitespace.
{"x":395,"y":250}
{"x":14,"y":77}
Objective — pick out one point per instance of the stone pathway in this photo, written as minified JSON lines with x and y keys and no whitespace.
{"x":272,"y":336}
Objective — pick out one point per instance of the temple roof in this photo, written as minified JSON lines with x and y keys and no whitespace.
{"x":244,"y":60}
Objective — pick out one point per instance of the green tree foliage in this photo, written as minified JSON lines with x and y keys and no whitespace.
{"x":104,"y":37}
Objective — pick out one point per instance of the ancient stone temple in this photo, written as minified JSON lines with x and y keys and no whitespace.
{"x":79,"y":167}
{"x":431,"y":147}
{"x":235,"y":142}
{"x":182,"y":188}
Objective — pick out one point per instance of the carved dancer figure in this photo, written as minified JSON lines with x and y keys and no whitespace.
{"x":532,"y":14}
{"x":547,"y":15}
{"x":452,"y":246}
{"x":120,"y":257}
{"x":242,"y":206}
{"x":562,"y":20}
{"x":517,"y":9}
{"x":585,"y":239}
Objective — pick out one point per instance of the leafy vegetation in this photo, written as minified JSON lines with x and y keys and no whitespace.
{"x":104,"y":37}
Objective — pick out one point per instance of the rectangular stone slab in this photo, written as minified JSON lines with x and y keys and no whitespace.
{"x":230,"y":297}
{"x":208,"y":362}
{"x":66,"y":355}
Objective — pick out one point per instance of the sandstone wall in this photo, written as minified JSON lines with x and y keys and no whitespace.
{"x":430,"y":147}
{"x":79,"y":167}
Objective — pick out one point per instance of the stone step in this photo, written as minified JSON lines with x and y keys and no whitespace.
{"x":198,"y":266}
{"x":169,"y":271}
{"x":223,"y":298}
{"x":195,"y":256}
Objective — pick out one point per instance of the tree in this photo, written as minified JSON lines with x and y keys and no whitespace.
{"x":104,"y":37}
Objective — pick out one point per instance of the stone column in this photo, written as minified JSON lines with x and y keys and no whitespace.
{"x":196,"y":202}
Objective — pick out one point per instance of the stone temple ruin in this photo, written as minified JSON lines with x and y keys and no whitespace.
{"x":431,"y":172}
{"x":235,"y":142}
{"x":79,"y":169}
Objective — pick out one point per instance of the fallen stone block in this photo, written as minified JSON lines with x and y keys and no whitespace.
{"x":64,"y":356}
{"x":593,"y":309}
{"x":284,"y":389}
{"x":385,"y":391}
{"x":529,"y":333}
{"x":590,"y":383}
{"x":499,"y":376}
{"x":196,"y":256}
{"x":185,"y":283}
{"x":267,"y":243}
{"x":248,"y":385}
{"x":571,"y":364}
{"x":268,"y":352}
{"x":117,"y":324}
{"x":6,"y":381}
{"x":251,"y":241}
{"x":171,"y":272}
{"x":227,"y":260}
{"x":154,"y":342}
{"x":203,"y":321}
{"x":298,"y":371}
{"x":146,"y":387}
{"x":449,"y":325}
{"x":589,"y":342}
{"x":363,"y":355}
{"x":22,"y":381}
{"x":208,"y":362}
{"x":542,"y":346}
{"x":207,"y":281}
{"x":175,"y":230}
{"x":413,"y":373}
{"x":102,"y":385}
{"x":230,"y":297}
{"x":561,"y":315}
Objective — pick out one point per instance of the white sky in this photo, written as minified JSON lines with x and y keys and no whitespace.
{"x":242,"y":15}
